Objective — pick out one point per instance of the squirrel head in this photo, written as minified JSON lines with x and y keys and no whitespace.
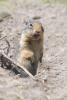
{"x":33,"y":30}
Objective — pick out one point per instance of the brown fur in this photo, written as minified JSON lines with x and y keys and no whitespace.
{"x":31,"y":47}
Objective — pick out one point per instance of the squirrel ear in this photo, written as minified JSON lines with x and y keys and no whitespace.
{"x":42,"y":29}
{"x":26,"y":21}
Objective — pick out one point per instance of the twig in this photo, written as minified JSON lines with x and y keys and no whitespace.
{"x":7,"y":43}
{"x":2,"y":37}
{"x":8,"y":46}
{"x":10,"y":64}
{"x":36,"y":17}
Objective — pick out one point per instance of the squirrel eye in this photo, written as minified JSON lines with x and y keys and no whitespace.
{"x":30,"y":24}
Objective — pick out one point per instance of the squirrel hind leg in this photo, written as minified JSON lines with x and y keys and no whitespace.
{"x":31,"y":67}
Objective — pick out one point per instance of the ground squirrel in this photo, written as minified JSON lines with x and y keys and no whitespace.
{"x":31,"y":46}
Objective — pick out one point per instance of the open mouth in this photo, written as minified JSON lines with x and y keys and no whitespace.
{"x":36,"y":36}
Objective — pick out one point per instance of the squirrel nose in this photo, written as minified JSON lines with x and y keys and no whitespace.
{"x":37,"y":32}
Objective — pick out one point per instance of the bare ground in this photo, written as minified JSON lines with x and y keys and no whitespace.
{"x":54,"y":66}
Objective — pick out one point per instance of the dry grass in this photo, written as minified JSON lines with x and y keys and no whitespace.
{"x":22,"y":3}
{"x":53,"y":1}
